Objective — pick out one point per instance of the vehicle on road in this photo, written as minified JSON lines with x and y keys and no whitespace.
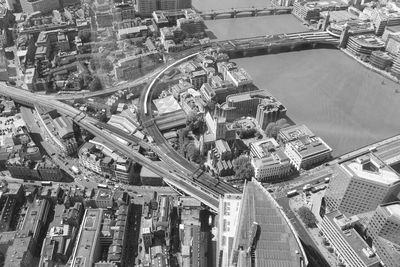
{"x":75,"y":169}
{"x":307,"y":187}
{"x":104,"y":186}
{"x":46,"y":183}
{"x":327,"y":179}
{"x":292,"y":193}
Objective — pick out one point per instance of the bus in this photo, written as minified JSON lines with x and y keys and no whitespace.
{"x":103,"y":186}
{"x":75,"y":170}
{"x":291,"y":193}
{"x":46,"y":183}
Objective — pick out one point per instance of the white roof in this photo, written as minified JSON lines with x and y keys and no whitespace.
{"x":384,"y":176}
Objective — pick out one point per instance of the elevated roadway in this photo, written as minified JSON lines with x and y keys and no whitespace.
{"x":208,"y":197}
{"x":166,"y":152}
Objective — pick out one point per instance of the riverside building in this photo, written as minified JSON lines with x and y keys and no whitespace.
{"x":302,"y":146}
{"x":269,"y":160}
{"x":361,"y":185}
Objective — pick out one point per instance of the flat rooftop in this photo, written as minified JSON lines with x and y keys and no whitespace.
{"x":90,"y":230}
{"x":295,"y":131}
{"x":277,"y":245}
{"x":371,"y":168}
{"x":368,"y":40}
{"x":307,"y":146}
{"x":353,"y":239}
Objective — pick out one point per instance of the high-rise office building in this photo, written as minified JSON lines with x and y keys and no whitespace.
{"x":146,"y":7}
{"x":44,"y":6}
{"x":361,"y":185}
{"x":384,"y":229}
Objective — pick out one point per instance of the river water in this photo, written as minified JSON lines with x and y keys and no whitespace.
{"x":346,"y":104}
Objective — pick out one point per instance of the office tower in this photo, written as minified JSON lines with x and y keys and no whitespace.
{"x":384,"y":229}
{"x":361,"y":185}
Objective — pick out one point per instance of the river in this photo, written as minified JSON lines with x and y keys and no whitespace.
{"x":346,"y":104}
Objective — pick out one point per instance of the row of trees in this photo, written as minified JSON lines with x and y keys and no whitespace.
{"x":307,"y":216}
{"x":243,"y":168}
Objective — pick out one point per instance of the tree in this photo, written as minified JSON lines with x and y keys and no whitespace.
{"x":192,"y":153}
{"x":85,"y":35}
{"x":307,"y":216}
{"x":273,"y":128}
{"x":247,"y":133}
{"x":95,"y":84}
{"x":195,"y":122}
{"x":243,"y":168}
{"x":270,"y":128}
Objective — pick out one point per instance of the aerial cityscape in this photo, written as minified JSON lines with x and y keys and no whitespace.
{"x":199,"y":133}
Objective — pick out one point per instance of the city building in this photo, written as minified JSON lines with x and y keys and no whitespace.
{"x":98,"y":158}
{"x":147,"y":7}
{"x":217,"y":90}
{"x":361,"y":185}
{"x":310,"y":10}
{"x":384,"y":229}
{"x":59,"y":241}
{"x":260,"y":218}
{"x":302,"y":147}
{"x":383,"y":17}
{"x":269,"y":160}
{"x":381,"y":60}
{"x":395,"y":70}
{"x":393,"y":44}
{"x":348,"y":245}
{"x":44,"y":6}
{"x":147,"y":177}
{"x":194,"y":241}
{"x":228,"y":212}
{"x":87,"y":248}
{"x":59,"y":128}
{"x":364,"y":45}
{"x":258,"y":104}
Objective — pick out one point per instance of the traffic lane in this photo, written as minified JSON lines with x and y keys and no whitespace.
{"x":316,"y":258}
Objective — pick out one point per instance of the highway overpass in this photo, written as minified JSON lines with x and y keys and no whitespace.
{"x":200,"y":192}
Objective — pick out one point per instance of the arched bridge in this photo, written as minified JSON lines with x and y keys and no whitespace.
{"x":275,"y":43}
{"x":250,"y":11}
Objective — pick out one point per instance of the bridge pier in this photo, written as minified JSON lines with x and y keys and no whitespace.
{"x":314,"y":45}
{"x":254,"y":13}
{"x":234,"y":14}
{"x":213,"y":16}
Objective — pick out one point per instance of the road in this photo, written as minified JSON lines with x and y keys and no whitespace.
{"x":198,"y":191}
{"x":165,"y":151}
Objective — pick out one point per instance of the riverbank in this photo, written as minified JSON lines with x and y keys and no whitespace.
{"x":225,"y":29}
{"x":348,"y":106}
{"x":206,"y":5}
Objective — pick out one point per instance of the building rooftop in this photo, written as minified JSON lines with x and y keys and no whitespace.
{"x":263,"y":148}
{"x":307,"y":146}
{"x":355,"y":241}
{"x":294,"y":132}
{"x":260,"y":216}
{"x":369,"y":167}
{"x":166,"y":105}
{"x":368,"y":40}
{"x":84,"y":251}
